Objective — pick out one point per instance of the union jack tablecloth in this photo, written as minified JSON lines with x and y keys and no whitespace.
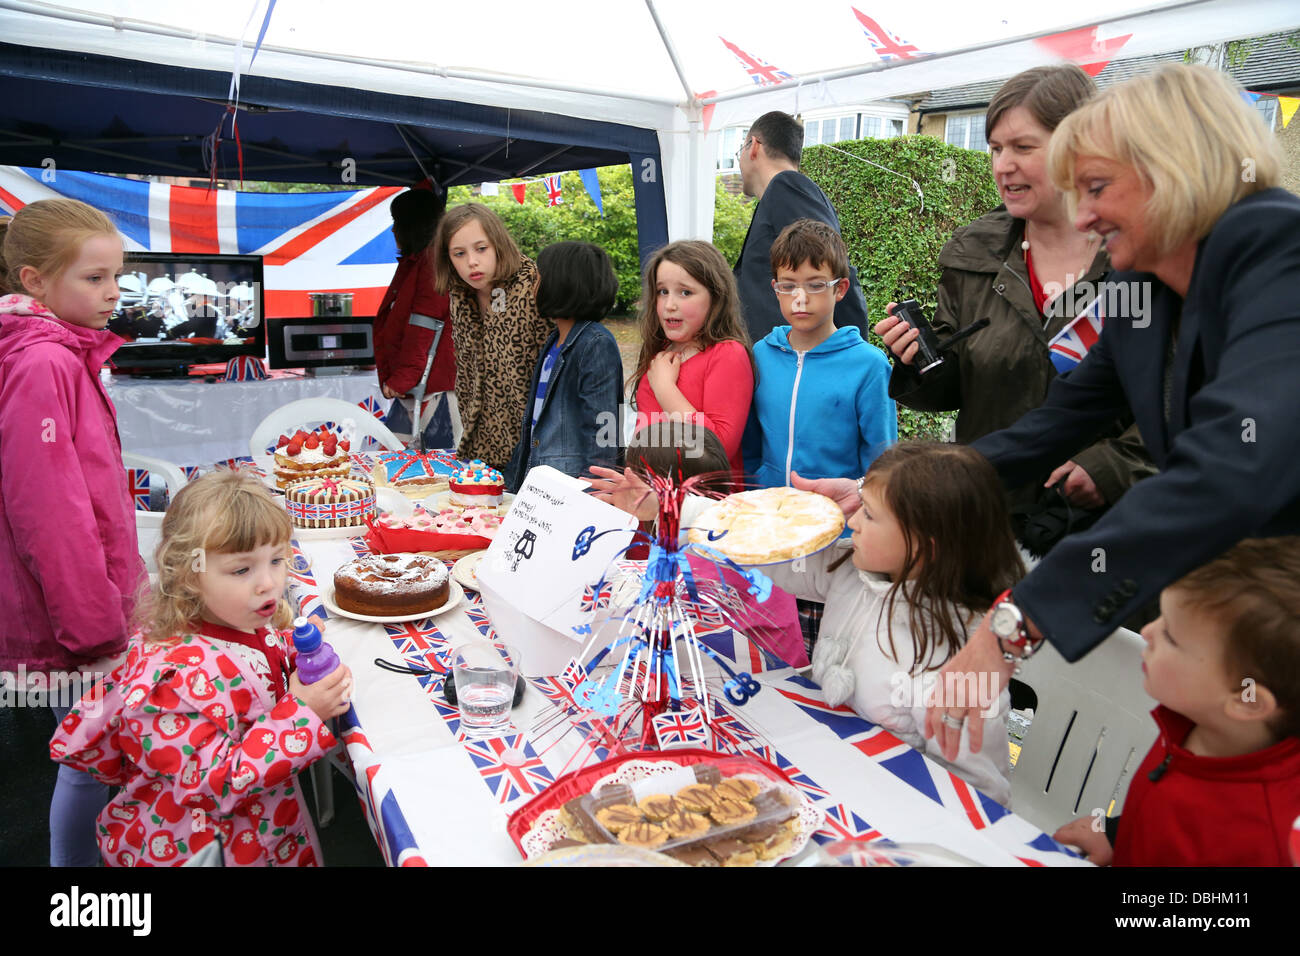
{"x":433,"y":797}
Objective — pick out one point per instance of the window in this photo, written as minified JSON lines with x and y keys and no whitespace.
{"x":895,"y":128}
{"x":966,"y":130}
{"x":1267,"y":107}
{"x":832,"y":129}
{"x":732,"y":139}
{"x":871,"y":127}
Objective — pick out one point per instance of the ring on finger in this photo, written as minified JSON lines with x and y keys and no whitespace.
{"x":953,"y":722}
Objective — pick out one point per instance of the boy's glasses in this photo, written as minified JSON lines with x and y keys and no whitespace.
{"x":815,"y":287}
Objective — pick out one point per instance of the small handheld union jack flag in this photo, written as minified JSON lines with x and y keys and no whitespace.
{"x":553,"y":197}
{"x":682,"y":728}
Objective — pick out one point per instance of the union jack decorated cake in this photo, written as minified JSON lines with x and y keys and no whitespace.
{"x":318,"y":454}
{"x":413,"y":473}
{"x":329,"y":502}
{"x":477,"y":483}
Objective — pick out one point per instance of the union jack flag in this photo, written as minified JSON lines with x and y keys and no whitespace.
{"x":1071,"y":344}
{"x":843,"y":824}
{"x":137,"y":480}
{"x":681,"y":728}
{"x":372,"y":405}
{"x":759,"y":70}
{"x":449,"y":713}
{"x":553,"y":197}
{"x":509,"y":766}
{"x":593,"y":600}
{"x":479,"y":618}
{"x":191,"y":472}
{"x":419,"y":641}
{"x":574,"y":673}
{"x":888,"y":46}
{"x":302,"y":586}
{"x":800,"y":779}
{"x":807,"y":696}
{"x":309,"y":242}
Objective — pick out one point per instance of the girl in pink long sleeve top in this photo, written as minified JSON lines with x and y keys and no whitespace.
{"x":695,"y":363}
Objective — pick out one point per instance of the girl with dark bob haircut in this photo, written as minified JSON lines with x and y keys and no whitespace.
{"x":578,"y":282}
{"x":572,"y":418}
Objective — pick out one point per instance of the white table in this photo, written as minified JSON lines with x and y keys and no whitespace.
{"x":428,"y":801}
{"x":193,"y":422}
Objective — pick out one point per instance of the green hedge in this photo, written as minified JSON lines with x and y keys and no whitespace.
{"x":892,"y":241}
{"x":535,"y":225}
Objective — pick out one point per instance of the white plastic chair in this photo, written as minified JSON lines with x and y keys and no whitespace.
{"x":313,"y":411}
{"x":148,"y":524}
{"x":1090,"y":731}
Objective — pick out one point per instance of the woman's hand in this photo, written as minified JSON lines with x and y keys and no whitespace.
{"x":1079,"y":489}
{"x":329,"y":696}
{"x":898,"y":336}
{"x":842,"y":491}
{"x":952,"y":707}
{"x":1092,"y":843}
{"x":389,"y":393}
{"x":625,"y":491}
{"x":663,"y":372}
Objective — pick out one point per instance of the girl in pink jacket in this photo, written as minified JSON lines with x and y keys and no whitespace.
{"x":207,"y":724}
{"x":69,"y":568}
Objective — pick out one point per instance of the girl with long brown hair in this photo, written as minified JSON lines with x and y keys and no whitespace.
{"x":932,"y":548}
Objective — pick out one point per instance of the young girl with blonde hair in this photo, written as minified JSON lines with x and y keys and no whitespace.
{"x":68,"y":558}
{"x":206,"y":724}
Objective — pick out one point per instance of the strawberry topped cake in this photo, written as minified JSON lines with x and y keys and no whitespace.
{"x":477,"y":483}
{"x":482,"y":522}
{"x":317,"y":454}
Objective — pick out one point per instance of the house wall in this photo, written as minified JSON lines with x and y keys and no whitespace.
{"x":1289,"y":141}
{"x":931,"y":124}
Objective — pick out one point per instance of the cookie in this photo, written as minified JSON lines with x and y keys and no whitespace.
{"x":698,"y":798}
{"x":657,"y":806}
{"x":682,"y":825}
{"x":644,"y":834}
{"x":742,"y":789}
{"x":619,"y":817}
{"x":730,"y":852}
{"x":731,"y":812}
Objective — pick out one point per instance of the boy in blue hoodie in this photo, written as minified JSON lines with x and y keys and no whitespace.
{"x":822,"y":405}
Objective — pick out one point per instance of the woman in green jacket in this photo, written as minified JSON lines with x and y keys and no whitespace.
{"x":1030,"y":272}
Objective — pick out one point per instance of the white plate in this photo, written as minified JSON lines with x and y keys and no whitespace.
{"x":456,"y":595}
{"x":466,"y":569}
{"x":394,"y":502}
{"x":441,"y":500}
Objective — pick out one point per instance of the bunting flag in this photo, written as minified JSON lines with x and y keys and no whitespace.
{"x":888,"y":46}
{"x":553,"y":197}
{"x":591,"y":182}
{"x":1287,"y":105}
{"x":1249,"y":97}
{"x":518,"y":190}
{"x":707,"y":113}
{"x":1082,"y":47}
{"x":309,"y":242}
{"x":759,"y":70}
{"x":489,"y":189}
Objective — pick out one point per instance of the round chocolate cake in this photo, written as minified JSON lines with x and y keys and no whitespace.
{"x":391,"y":585}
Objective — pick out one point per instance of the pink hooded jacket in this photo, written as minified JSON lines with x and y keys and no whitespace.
{"x":69,"y":564}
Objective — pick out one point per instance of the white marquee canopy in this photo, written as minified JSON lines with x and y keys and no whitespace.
{"x":663,"y":65}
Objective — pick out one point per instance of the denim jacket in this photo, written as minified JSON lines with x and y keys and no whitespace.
{"x":579,"y":424}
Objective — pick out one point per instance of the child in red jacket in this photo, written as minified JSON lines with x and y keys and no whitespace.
{"x":1221,"y":785}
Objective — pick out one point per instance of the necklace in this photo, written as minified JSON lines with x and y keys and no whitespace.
{"x":1090,"y":249}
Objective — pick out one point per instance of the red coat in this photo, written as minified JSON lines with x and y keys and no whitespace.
{"x":1209,"y":811}
{"x":402,"y":349}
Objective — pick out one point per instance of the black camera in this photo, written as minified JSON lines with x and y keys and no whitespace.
{"x":929,"y":348}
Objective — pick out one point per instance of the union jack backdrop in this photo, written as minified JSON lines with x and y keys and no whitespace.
{"x":310,"y":242}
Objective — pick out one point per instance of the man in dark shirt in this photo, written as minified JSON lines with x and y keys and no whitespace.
{"x":769,"y":171}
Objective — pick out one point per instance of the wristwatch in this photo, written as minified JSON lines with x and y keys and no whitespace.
{"x":1008,"y":625}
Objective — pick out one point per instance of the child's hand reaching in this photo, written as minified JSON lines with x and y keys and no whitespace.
{"x":1091,"y":842}
{"x":329,"y":696}
{"x":626,"y":492}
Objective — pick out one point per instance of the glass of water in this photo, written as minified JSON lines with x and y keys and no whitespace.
{"x":485,"y":675}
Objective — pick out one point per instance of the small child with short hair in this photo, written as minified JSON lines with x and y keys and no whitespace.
{"x":1221,"y":784}
{"x":572,"y":420}
{"x":206,"y":724}
{"x":822,"y":405}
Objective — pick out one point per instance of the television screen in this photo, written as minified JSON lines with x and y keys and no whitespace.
{"x":320,"y":341}
{"x":180,"y":309}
